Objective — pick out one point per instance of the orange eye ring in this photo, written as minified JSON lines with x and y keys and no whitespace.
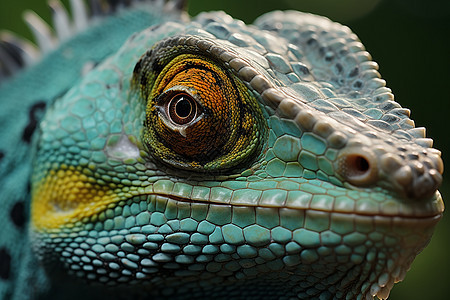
{"x":181,"y":109}
{"x":200,"y":116}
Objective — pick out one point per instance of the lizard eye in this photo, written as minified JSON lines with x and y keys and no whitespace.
{"x":178,"y":109}
{"x":181,"y":109}
{"x":199,"y":116}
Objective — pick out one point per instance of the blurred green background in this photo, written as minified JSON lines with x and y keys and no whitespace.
{"x":410,"y":41}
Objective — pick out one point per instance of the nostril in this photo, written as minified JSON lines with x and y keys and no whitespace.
{"x":359,"y":164}
{"x":358,"y":167}
{"x":354,"y":166}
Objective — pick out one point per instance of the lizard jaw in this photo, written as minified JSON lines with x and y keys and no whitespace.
{"x":380,"y":245}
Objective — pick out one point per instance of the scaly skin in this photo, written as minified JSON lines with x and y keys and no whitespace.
{"x":298,"y":175}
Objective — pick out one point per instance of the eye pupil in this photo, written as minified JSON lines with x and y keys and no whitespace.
{"x":182,"y":109}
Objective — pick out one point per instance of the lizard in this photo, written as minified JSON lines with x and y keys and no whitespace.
{"x":190,"y":158}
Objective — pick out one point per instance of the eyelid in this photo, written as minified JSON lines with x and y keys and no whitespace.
{"x":173,"y":91}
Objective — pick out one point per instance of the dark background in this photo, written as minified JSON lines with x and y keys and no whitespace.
{"x":410,"y":41}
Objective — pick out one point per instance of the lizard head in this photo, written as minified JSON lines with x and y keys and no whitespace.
{"x":213,"y":156}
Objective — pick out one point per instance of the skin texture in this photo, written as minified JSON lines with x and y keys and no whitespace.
{"x":59,"y":180}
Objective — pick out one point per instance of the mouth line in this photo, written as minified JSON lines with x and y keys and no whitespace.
{"x":431,"y":216}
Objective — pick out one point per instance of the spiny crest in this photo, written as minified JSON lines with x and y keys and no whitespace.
{"x":17,"y":52}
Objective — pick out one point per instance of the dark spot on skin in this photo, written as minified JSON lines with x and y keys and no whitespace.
{"x":89,"y":65}
{"x":137,"y":67}
{"x":371,"y":135}
{"x":17,"y":214}
{"x":343,"y":52}
{"x":329,"y":56}
{"x":387,"y":106}
{"x":209,"y":20}
{"x":33,"y":119}
{"x":5,"y":264}
{"x":322,"y":51}
{"x":143,"y":81}
{"x":312,"y":42}
{"x":357,"y":84}
{"x":299,"y":67}
{"x":339,"y":68}
{"x":413,"y":156}
{"x":268,"y":27}
{"x":390,"y":118}
{"x":154,"y":27}
{"x":428,"y":165}
{"x":2,"y":154}
{"x":133,"y":36}
{"x":354,"y":72}
{"x":380,"y":124}
{"x":156,"y":66}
